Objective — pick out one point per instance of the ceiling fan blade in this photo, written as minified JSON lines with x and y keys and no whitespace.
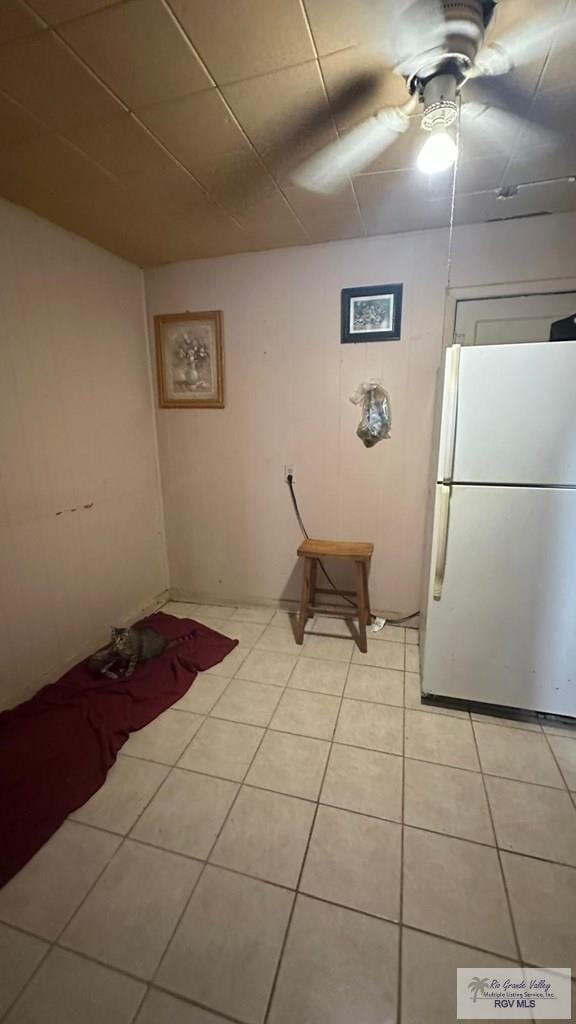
{"x":517,"y":104}
{"x":308,"y":131}
{"x":328,"y":169}
{"x":497,"y":127}
{"x":344,"y":100}
{"x":526,"y":42}
{"x":504,"y":93}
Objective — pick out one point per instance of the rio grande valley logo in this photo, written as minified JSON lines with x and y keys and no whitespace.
{"x":514,"y":993}
{"x":478,"y":986}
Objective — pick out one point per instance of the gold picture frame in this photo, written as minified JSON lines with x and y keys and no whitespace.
{"x":190,"y":360}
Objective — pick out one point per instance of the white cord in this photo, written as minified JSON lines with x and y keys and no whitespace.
{"x":453,"y":199}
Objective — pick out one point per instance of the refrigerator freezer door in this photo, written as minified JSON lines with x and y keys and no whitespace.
{"x":504,"y":629}
{"x":516,"y":420}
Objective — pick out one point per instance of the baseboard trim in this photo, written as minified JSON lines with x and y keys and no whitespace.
{"x":54,"y":673}
{"x":281,"y":604}
{"x":203,"y":597}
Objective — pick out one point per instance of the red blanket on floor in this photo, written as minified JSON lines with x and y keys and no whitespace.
{"x":56,"y":749}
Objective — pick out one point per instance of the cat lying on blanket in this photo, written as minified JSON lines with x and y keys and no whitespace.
{"x":128,"y":646}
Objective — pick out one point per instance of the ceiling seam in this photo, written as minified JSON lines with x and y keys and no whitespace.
{"x":167,"y":6}
{"x":274,"y":71}
{"x":27,"y":6}
{"x":327,"y":97}
{"x":25,"y":109}
{"x":53,"y":133}
{"x":69,"y":21}
{"x":53,"y":30}
{"x":131,"y":113}
{"x":545,"y":63}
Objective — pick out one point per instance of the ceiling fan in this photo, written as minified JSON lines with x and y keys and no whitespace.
{"x":438,"y":46}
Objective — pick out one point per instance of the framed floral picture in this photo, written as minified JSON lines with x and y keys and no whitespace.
{"x":189,"y":358}
{"x":373,"y":313}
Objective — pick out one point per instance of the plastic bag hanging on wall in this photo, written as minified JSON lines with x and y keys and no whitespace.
{"x":376,"y":418}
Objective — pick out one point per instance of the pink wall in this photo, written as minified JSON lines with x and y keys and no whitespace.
{"x":81,"y":527}
{"x":231,"y":532}
{"x":76,"y":433}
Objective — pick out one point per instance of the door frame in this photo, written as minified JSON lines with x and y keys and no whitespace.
{"x":510,"y":290}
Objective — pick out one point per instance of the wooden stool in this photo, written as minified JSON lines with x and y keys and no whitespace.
{"x":360,"y":553}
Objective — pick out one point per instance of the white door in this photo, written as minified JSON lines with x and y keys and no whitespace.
{"x":504,"y":628}
{"x":517,"y":318}
{"x":516,"y":415}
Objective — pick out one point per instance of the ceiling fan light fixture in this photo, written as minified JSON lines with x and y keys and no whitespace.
{"x":438,"y":153}
{"x":439,"y":94}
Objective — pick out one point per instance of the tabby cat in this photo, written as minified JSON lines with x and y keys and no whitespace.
{"x":128,"y":646}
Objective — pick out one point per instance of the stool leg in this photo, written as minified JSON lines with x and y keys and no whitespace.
{"x":304,"y":601}
{"x":361,"y":602}
{"x":366,"y":571}
{"x":313,"y":581}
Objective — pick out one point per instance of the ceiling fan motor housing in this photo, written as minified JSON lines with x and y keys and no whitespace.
{"x":465,"y":22}
{"x":439,"y":80}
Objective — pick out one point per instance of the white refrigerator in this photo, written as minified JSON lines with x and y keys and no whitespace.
{"x":499,"y":619}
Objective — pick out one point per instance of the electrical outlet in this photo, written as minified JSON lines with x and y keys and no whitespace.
{"x":288,"y":471}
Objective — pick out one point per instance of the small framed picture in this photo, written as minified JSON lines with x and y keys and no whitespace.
{"x":190,"y":361}
{"x":373,"y":313}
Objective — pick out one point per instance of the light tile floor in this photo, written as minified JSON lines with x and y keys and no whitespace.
{"x":299,"y":841}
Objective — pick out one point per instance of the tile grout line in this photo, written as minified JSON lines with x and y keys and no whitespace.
{"x":519,"y":724}
{"x":148,"y":985}
{"x":414,"y":928}
{"x":158,"y":986}
{"x":498,"y":851}
{"x":205,"y":863}
{"x":194,"y":1004}
{"x":319,"y":899}
{"x":305,"y":855}
{"x":571,"y":794}
{"x":55,"y":942}
{"x":391,"y":753}
{"x":323,"y":803}
{"x":282,"y":690}
{"x":24,"y":988}
{"x":420,"y":709}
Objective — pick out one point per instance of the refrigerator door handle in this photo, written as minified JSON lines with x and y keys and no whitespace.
{"x":443,"y":511}
{"x":451,"y":410}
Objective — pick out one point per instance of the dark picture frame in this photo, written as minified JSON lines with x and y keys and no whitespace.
{"x":372,"y":313}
